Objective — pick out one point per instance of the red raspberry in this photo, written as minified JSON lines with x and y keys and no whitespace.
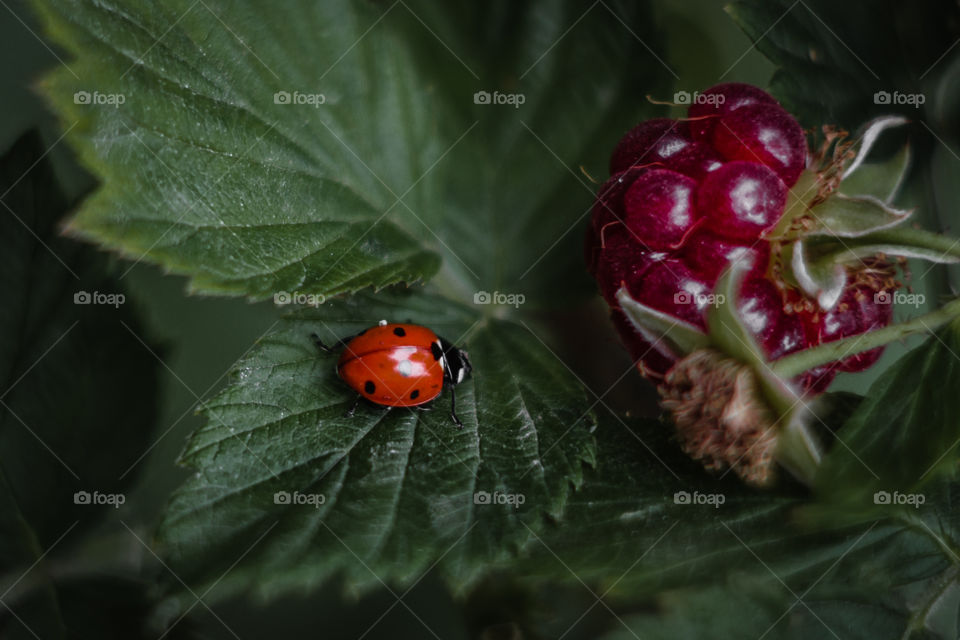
{"x":663,"y":143}
{"x":654,"y":361}
{"x":860,"y":309}
{"x":670,"y":286}
{"x":818,"y":379}
{"x":741,"y":200}
{"x":765,"y":134}
{"x":659,"y":208}
{"x":709,"y":255}
{"x":761,"y":307}
{"x":689,"y":198}
{"x":721,"y":100}
{"x":648,"y":143}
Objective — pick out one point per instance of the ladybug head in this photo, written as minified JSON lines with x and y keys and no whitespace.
{"x":458,"y":365}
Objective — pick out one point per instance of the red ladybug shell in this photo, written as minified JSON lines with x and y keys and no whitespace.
{"x":396,"y":365}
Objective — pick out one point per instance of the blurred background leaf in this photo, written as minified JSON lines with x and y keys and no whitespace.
{"x":77,"y":410}
{"x":903,"y":435}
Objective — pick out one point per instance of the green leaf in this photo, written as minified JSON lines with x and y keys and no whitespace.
{"x":398,"y":485}
{"x":750,"y":548}
{"x":881,"y":180}
{"x":724,"y":320}
{"x":866,"y":139}
{"x":901,"y":241}
{"x":818,"y":264}
{"x":78,"y":399}
{"x":663,"y":331}
{"x":833,"y":57}
{"x":652,"y":540}
{"x":767,"y":609}
{"x":205,"y":173}
{"x":823,"y":278}
{"x":904,"y":433}
{"x":844,"y":216}
{"x":19,"y":551}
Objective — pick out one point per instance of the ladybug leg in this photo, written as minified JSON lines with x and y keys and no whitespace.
{"x":320,"y":345}
{"x":341,"y":343}
{"x":425,"y":407}
{"x":453,"y":408}
{"x":353,"y":407}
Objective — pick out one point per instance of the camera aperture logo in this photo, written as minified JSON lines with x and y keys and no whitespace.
{"x":296,"y":498}
{"x":297,"y":98}
{"x":485,"y":497}
{"x":685,"y":97}
{"x":296,"y":297}
{"x":699,"y":299}
{"x":512,"y":99}
{"x":696,"y":498}
{"x":896,"y":498}
{"x":499,"y":298}
{"x":898,"y":297}
{"x":95,"y":498}
{"x":898,"y":98}
{"x":99,"y":99}
{"x":96,"y":297}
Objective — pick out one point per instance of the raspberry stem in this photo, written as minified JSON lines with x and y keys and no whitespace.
{"x":797,"y":448}
{"x":904,"y":241}
{"x":796,"y":363}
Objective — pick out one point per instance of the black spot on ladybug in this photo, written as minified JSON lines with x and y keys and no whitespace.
{"x":369,"y":387}
{"x":398,"y":331}
{"x":436,"y":350}
{"x":415,"y":394}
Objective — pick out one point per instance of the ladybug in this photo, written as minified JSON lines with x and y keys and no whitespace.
{"x":400,"y":365}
